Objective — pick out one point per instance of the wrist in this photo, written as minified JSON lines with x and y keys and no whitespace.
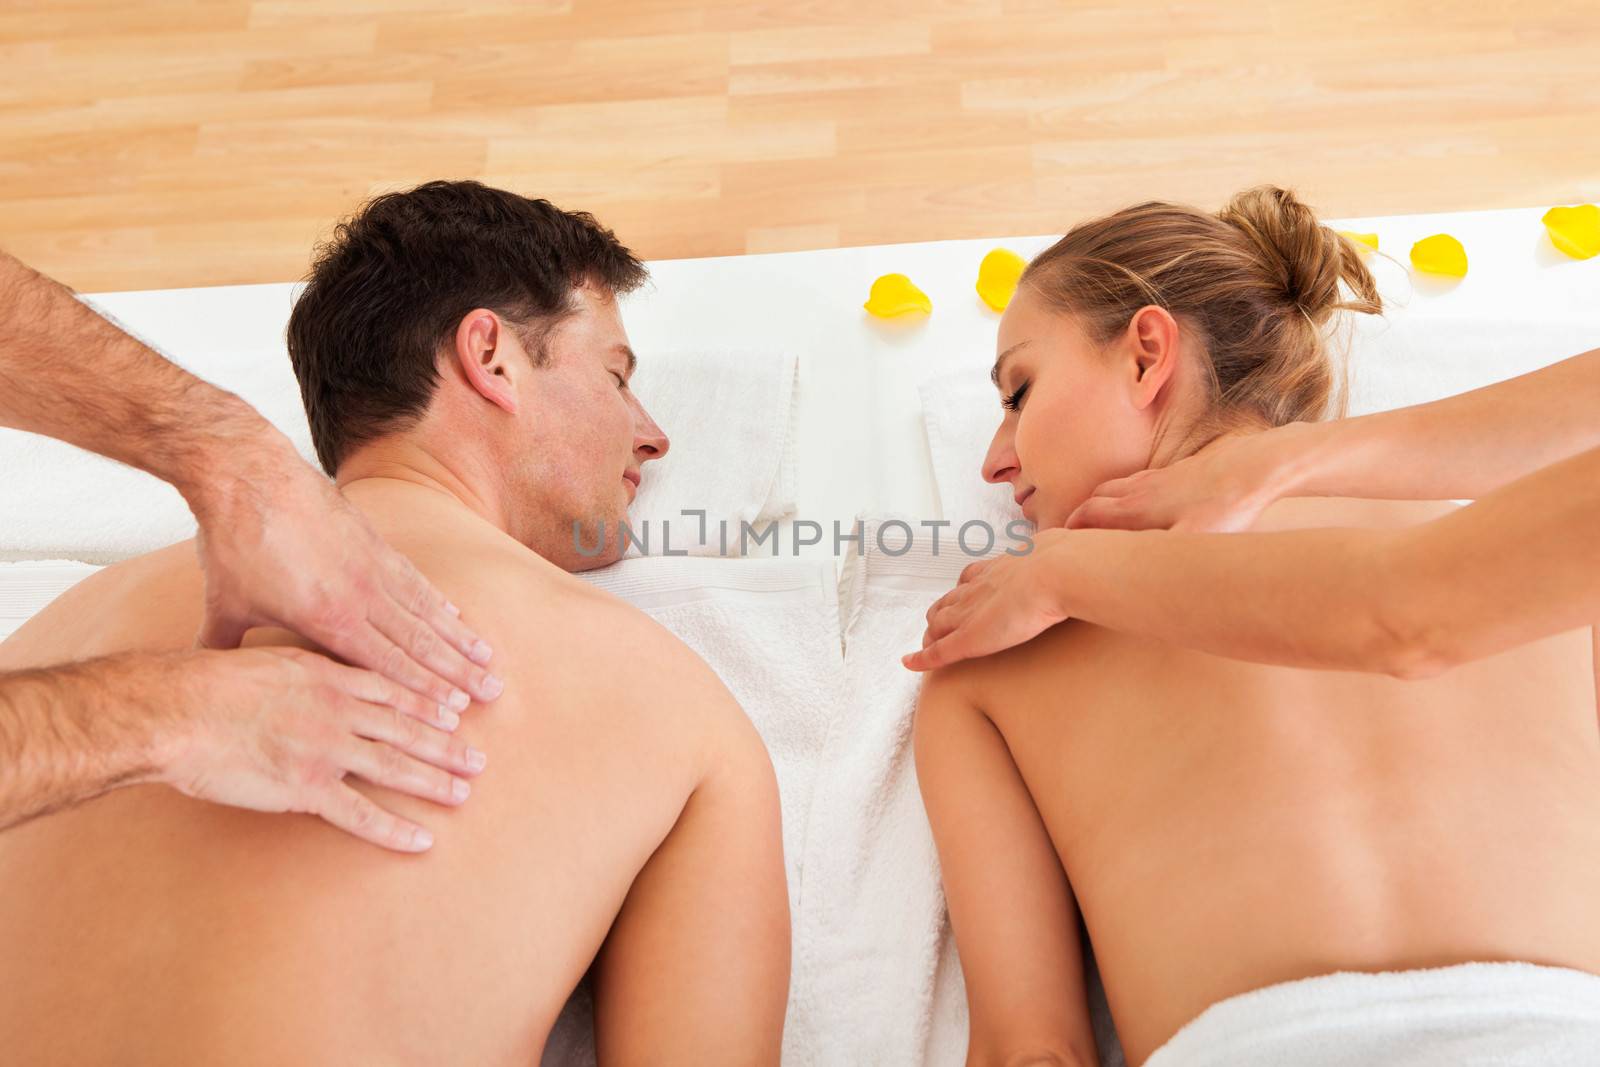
{"x":1059,"y":558}
{"x":237,"y":456}
{"x":167,"y":691}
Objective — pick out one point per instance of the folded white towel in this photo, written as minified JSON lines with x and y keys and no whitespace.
{"x":875,"y":928}
{"x":730,"y":416}
{"x":769,"y":628}
{"x":960,"y":413}
{"x":1470,"y":1015}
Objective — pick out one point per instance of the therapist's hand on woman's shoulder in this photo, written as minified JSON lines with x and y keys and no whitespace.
{"x":997,"y":603}
{"x":1222,"y":488}
{"x":280,"y":546}
{"x":278,"y":729}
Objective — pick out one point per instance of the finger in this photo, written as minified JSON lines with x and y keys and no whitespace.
{"x":939,"y":654}
{"x":428,"y":650}
{"x":374,"y":688}
{"x":221,"y":631}
{"x":943,"y":602}
{"x":972,"y":570}
{"x":371,"y":649}
{"x":359,"y":816}
{"x":416,"y":594}
{"x":417,"y":740}
{"x":1104,"y":513}
{"x":945,"y":622}
{"x":387,"y":766}
{"x":1120,"y":486}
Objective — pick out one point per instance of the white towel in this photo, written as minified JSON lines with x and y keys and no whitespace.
{"x":960,"y":413}
{"x":1470,"y":1015}
{"x":889,"y":981}
{"x":887,"y":986}
{"x":769,"y":628}
{"x":1401,"y":360}
{"x":730,"y":416}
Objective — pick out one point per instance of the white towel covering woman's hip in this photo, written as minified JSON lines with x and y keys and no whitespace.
{"x":1469,"y":1015}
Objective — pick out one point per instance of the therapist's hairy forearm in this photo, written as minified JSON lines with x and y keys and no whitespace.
{"x":70,"y":733}
{"x":1520,"y":564}
{"x":1461,"y":447}
{"x":67,"y":372}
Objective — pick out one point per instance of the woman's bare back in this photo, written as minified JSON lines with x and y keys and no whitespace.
{"x":1225,"y":826}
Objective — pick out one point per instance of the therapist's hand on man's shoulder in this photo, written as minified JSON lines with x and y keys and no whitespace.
{"x":280,"y":546}
{"x":278,"y":729}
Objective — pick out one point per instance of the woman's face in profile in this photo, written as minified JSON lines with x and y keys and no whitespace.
{"x":1070,"y":420}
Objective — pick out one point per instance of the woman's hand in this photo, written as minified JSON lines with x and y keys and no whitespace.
{"x":997,"y":603}
{"x":1222,"y":488}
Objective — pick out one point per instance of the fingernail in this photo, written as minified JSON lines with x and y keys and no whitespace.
{"x":421,"y":839}
{"x":481,"y":653}
{"x":449,"y":719}
{"x":452,"y":609}
{"x":459,"y":700}
{"x":476,"y":759}
{"x":459,"y":789}
{"x":491,"y":687}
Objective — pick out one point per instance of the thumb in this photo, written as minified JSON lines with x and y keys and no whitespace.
{"x":221,"y":631}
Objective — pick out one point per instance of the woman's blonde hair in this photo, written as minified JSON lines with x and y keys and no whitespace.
{"x":1256,"y":284}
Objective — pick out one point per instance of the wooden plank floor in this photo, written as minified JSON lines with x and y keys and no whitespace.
{"x":153,"y":143}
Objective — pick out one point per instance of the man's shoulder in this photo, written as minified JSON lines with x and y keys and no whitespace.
{"x":542,"y":612}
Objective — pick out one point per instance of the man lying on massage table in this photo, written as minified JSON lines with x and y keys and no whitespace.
{"x":1233,"y":834}
{"x":465,"y":371}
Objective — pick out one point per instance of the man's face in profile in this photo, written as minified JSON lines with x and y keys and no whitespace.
{"x":586,"y":437}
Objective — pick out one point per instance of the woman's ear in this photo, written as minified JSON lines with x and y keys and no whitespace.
{"x":486,"y":351}
{"x":1153,"y":340}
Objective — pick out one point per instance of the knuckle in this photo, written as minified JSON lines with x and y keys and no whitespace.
{"x":424,"y":645}
{"x":363,"y":814}
{"x":391,"y":765}
{"x":394,"y":661}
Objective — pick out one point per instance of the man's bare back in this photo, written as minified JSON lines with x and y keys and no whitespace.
{"x":628,"y":809}
{"x":1226,"y":826}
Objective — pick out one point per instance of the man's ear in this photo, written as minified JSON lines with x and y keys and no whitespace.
{"x":1152,"y":339}
{"x":488,"y":353}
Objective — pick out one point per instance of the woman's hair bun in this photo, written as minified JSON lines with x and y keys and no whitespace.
{"x":1302,"y":257}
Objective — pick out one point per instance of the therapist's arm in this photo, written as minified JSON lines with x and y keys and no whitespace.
{"x":1461,"y":447}
{"x":1520,"y":564}
{"x":269,"y":729}
{"x":279,"y":545}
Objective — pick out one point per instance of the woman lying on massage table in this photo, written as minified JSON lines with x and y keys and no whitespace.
{"x":1225,"y":828}
{"x":1405,"y":602}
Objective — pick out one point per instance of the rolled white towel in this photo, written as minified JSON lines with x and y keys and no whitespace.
{"x":1468,"y":1015}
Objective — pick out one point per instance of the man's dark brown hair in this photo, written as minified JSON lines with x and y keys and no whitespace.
{"x":395,"y":281}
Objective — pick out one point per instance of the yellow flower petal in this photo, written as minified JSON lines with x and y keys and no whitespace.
{"x":1575,"y":230}
{"x":1370,"y":240}
{"x":997,"y":277}
{"x":893,"y":294}
{"x":1440,"y":254}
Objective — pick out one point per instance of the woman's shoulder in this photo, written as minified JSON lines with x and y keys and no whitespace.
{"x":1299,"y":513}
